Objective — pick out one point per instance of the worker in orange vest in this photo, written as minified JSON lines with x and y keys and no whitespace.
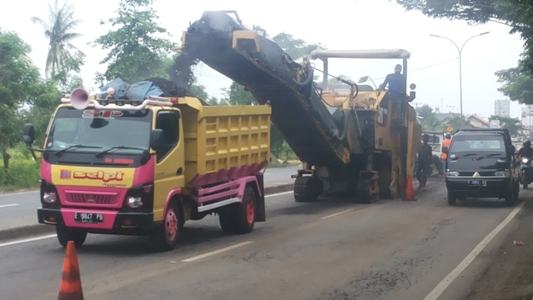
{"x":445,"y":146}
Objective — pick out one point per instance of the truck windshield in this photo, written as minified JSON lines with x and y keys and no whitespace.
{"x":476,"y":144}
{"x":99,"y":129}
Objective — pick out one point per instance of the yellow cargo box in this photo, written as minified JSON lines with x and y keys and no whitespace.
{"x":221,"y":138}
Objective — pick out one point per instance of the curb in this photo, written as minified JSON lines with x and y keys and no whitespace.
{"x":25,"y":231}
{"x":285,"y":187}
{"x":39,"y":229}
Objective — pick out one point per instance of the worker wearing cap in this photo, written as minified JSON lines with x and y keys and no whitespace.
{"x":444,"y":156}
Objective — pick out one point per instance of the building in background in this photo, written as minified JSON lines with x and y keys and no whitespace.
{"x":502,"y":108}
{"x":527,"y":118}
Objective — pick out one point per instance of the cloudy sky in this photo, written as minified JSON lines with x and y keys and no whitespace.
{"x":339,"y":25}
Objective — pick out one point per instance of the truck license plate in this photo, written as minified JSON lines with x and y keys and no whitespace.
{"x":88,"y":217}
{"x":477,"y":182}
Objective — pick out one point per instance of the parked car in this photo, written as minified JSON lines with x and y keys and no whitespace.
{"x":481,"y":163}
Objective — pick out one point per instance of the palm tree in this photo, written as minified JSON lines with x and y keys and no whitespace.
{"x":59,"y":31}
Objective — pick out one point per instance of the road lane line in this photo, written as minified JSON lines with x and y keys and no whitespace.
{"x":441,"y":287}
{"x":336,"y":214}
{"x":8,"y":205}
{"x":28,"y":240}
{"x":216,"y":251}
{"x":278,"y":194}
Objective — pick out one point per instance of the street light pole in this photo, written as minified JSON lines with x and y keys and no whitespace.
{"x":460,"y":63}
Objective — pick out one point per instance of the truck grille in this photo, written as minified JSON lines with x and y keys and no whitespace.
{"x":91,"y":198}
{"x":480,"y":173}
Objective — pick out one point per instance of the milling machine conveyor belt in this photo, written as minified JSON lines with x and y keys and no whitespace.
{"x":297,"y":108}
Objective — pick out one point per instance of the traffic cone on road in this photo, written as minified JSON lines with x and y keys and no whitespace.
{"x":409,"y":191}
{"x":70,"y":288}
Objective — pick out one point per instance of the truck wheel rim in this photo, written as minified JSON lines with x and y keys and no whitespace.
{"x":171,"y":222}
{"x":250,"y":211}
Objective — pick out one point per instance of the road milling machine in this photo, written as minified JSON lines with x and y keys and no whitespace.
{"x":351,"y":138}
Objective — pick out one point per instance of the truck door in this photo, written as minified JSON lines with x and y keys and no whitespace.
{"x":169,"y":168}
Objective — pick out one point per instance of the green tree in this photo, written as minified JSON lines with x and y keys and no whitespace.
{"x":136,"y":51}
{"x":512,"y":124}
{"x":517,"y":14}
{"x":43,"y":103}
{"x":68,"y":78}
{"x":429,"y":119}
{"x":296,"y":48}
{"x":19,"y":79}
{"x":456,"y":122}
{"x":59,"y":31}
{"x":517,"y":85}
{"x":212,"y":101}
{"x":237,"y":95}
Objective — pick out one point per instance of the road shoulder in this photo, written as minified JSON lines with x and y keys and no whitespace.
{"x":510,"y":274}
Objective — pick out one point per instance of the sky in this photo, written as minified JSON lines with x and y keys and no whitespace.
{"x":338,"y":25}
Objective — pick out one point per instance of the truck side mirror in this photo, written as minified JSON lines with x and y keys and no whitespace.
{"x":29,"y":134}
{"x":512,"y":149}
{"x":156,"y":138}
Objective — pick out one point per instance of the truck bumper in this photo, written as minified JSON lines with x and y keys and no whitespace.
{"x":133,"y":223}
{"x":492,"y":187}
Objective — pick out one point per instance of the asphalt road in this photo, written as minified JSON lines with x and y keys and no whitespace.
{"x":20,"y":209}
{"x":328,"y":249}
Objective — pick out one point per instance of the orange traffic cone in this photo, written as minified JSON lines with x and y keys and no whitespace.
{"x":409,"y":191}
{"x":70,"y":288}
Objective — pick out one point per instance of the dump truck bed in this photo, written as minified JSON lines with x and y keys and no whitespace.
{"x":224,"y":142}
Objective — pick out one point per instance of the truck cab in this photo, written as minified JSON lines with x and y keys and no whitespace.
{"x":481,"y":163}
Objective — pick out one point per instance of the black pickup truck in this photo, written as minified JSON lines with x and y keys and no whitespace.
{"x":481,"y":163}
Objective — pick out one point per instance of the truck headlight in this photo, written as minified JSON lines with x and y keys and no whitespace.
{"x":502,"y":173}
{"x":135,"y":202}
{"x":49,"y":197}
{"x":453,"y":174}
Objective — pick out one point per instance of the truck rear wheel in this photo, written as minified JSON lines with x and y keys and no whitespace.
{"x":239,"y":218}
{"x":65,"y":234}
{"x":306,"y":189}
{"x":166,"y":236}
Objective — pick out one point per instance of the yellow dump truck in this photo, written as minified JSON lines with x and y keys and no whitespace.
{"x":144,"y":167}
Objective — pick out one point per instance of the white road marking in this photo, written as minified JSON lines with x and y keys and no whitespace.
{"x":278,"y":194}
{"x":28,"y":240}
{"x":216,"y":251}
{"x":441,"y":287}
{"x":8,"y":205}
{"x":336,"y":214}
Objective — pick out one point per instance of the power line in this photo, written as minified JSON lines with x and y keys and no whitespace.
{"x":484,"y":64}
{"x":434,"y":65}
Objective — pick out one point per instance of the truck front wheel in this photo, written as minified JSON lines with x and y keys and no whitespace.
{"x":452,"y":198}
{"x":166,"y":236}
{"x":239,"y":217}
{"x":65,"y":234}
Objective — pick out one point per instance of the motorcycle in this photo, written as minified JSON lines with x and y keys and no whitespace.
{"x":526,"y":171}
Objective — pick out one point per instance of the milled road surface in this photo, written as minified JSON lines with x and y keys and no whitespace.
{"x":328,"y":249}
